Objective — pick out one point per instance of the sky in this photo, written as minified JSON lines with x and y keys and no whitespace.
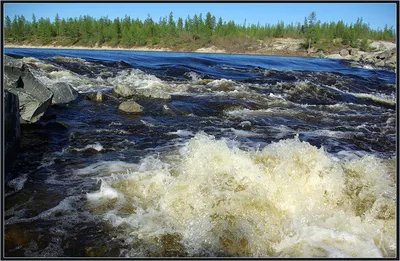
{"x":376,"y":14}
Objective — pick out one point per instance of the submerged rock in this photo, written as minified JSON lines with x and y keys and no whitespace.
{"x":152,"y":93}
{"x":130,"y":107}
{"x":129,"y":92}
{"x":63,"y":92}
{"x":124,"y":91}
{"x":11,"y":128}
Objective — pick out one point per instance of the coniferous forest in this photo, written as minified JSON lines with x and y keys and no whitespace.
{"x":187,"y":33}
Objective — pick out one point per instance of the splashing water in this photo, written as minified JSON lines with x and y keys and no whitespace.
{"x":288,"y":200}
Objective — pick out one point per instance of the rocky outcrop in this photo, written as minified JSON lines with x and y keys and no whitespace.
{"x":130,"y":107}
{"x":62,"y":92}
{"x":11,"y":129}
{"x":383,"y":55}
{"x":34,"y":97}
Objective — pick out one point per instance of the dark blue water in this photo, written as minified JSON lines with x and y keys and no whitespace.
{"x":250,"y":100}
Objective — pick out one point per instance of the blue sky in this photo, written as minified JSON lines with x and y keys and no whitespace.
{"x":376,"y":14}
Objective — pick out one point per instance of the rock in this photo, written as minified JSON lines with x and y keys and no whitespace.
{"x":12,"y":129}
{"x":320,"y":54}
{"x":99,"y":97}
{"x":384,"y":55}
{"x":167,"y":110}
{"x":380,"y":63}
{"x":246,"y":125}
{"x":152,"y":93}
{"x":124,"y":91}
{"x":12,"y":72}
{"x":95,"y":96}
{"x":311,"y":50}
{"x":130,"y":107}
{"x":353,"y":51}
{"x":390,"y":64}
{"x":129,"y":92}
{"x":62,"y":92}
{"x":34,"y":97}
{"x":344,"y":52}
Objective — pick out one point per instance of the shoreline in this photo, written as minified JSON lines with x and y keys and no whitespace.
{"x":210,"y":50}
{"x":284,"y":47}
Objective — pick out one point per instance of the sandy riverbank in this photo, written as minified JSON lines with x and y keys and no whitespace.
{"x":280,"y":47}
{"x":276,"y":46}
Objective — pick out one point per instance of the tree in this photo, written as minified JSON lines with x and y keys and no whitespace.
{"x":310,"y":29}
{"x":57,"y":25}
{"x":7,"y":28}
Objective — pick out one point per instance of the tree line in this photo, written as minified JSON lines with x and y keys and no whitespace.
{"x":189,"y":33}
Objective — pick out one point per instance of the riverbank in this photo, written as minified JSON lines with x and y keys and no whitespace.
{"x":382,"y":54}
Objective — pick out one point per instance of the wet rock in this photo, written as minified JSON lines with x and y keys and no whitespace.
{"x":246,"y":125}
{"x":152,"y":93}
{"x":130,"y":107}
{"x":12,"y":72}
{"x":129,"y":92}
{"x":62,"y":92}
{"x":11,"y":129}
{"x":99,"y":97}
{"x":34,"y":97}
{"x":96,"y":96}
{"x":166,"y":109}
{"x":124,"y":91}
{"x":344,"y":52}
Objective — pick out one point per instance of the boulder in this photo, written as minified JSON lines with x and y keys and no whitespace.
{"x":130,"y":107}
{"x":380,"y":64}
{"x":62,"y":92}
{"x":34,"y":97}
{"x":12,"y":72}
{"x":124,"y":91}
{"x":152,"y":93}
{"x":11,"y":129}
{"x":145,"y":92}
{"x":390,"y":64}
{"x":246,"y":125}
{"x":386,"y":55}
{"x":353,"y":51}
{"x":344,"y":52}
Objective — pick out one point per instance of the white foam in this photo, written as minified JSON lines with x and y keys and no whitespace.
{"x":182,"y":133}
{"x":290,"y":199}
{"x":18,"y":183}
{"x":97,"y":146}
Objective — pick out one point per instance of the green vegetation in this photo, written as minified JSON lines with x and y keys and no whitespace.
{"x":187,"y":34}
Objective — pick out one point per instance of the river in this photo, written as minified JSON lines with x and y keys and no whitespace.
{"x":251,"y":156}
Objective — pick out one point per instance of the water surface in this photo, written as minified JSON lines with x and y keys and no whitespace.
{"x":253,"y":156}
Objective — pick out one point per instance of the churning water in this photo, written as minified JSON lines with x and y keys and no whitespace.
{"x":251,"y":156}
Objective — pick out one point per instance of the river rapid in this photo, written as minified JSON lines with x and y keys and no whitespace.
{"x":251,"y":156}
